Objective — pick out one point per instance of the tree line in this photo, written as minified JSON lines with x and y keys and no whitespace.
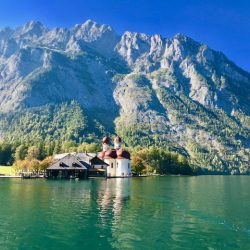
{"x":36,"y":158}
{"x":158,"y":160}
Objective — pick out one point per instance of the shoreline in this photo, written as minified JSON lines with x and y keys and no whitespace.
{"x":10,"y":176}
{"x":141,"y":176}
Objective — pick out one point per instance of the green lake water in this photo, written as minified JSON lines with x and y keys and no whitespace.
{"x":205,"y":212}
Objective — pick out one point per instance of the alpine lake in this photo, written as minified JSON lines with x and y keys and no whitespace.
{"x":169,"y":212}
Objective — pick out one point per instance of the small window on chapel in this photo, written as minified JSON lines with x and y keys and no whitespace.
{"x":112,"y":165}
{"x":128,"y":165}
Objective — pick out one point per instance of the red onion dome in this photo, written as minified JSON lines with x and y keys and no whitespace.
{"x":118,"y":139}
{"x":106,"y":140}
{"x":123,"y":154}
{"x":111,"y":153}
{"x":101,"y":154}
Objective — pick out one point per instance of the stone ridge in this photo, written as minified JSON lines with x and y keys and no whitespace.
{"x":176,"y":90}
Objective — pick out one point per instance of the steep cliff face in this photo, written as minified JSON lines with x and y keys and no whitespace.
{"x":153,"y":90}
{"x":204,"y":75}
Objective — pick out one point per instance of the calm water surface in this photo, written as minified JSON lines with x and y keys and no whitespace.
{"x":205,"y":212}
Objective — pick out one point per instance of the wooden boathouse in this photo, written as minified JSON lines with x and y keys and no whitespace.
{"x":76,"y":165}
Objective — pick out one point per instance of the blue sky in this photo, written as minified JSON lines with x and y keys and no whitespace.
{"x":223,"y":25}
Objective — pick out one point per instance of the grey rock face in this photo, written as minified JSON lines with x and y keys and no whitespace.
{"x":129,"y":80}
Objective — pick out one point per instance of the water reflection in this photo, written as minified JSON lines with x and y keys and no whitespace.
{"x":113,"y":194}
{"x":206,"y":212}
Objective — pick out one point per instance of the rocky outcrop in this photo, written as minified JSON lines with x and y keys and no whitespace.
{"x":172,"y":91}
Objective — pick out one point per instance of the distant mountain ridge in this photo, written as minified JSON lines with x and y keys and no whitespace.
{"x":151,"y":90}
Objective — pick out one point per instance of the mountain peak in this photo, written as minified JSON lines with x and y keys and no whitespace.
{"x":90,"y":22}
{"x":33,"y":23}
{"x":32,"y":28}
{"x":180,"y":36}
{"x":91,"y":31}
{"x":171,"y":91}
{"x":183,"y":38}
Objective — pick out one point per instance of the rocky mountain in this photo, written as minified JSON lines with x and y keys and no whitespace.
{"x":172,"y":92}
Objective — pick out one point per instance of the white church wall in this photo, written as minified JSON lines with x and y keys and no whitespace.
{"x":111,"y":169}
{"x":123,"y":168}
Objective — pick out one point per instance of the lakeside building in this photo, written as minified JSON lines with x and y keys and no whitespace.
{"x":110,"y":163}
{"x":76,"y":165}
{"x":118,"y":159}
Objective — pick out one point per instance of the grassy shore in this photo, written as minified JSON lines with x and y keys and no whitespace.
{"x":7,"y":170}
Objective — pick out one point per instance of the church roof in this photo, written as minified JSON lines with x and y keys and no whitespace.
{"x":114,"y":154}
{"x":106,"y":140}
{"x":122,"y":154}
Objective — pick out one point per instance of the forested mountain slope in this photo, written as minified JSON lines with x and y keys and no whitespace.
{"x":80,"y":83}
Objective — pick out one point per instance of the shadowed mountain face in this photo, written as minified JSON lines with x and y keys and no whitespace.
{"x":173,"y":92}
